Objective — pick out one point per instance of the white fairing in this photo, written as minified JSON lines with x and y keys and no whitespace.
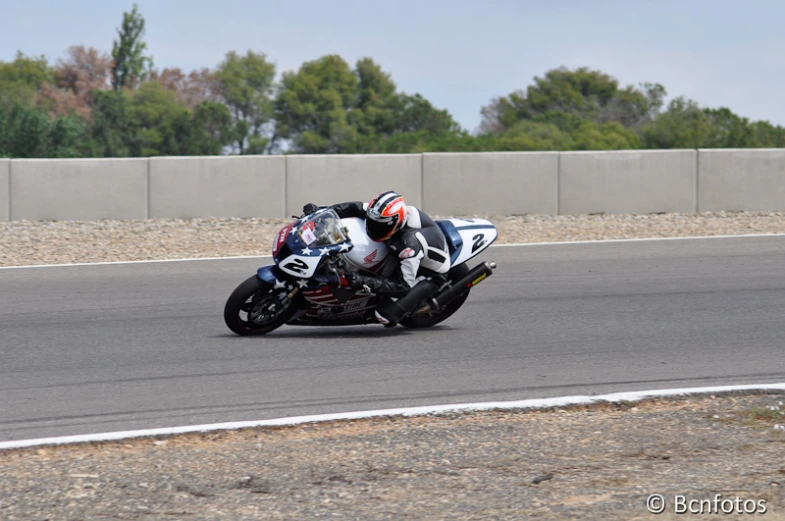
{"x":366,"y":254}
{"x":477,"y":234}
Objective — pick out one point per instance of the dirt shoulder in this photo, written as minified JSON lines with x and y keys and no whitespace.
{"x":584,"y":462}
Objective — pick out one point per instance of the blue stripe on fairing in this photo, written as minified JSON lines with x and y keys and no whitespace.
{"x":454,"y":240}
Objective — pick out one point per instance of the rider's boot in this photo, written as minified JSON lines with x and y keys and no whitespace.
{"x":390,"y":310}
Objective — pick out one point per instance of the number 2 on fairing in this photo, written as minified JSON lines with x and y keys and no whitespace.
{"x":297,"y":265}
{"x":479,"y":241}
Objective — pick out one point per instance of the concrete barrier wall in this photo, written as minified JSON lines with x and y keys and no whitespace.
{"x":78,"y":189}
{"x":337,"y":178}
{"x":648,"y":181}
{"x":442,"y":184}
{"x":235,"y":186}
{"x":5,"y":196}
{"x":491,"y":183}
{"x":741,"y":180}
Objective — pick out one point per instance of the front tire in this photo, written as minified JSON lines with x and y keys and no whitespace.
{"x":255,"y":308}
{"x":431,"y":319}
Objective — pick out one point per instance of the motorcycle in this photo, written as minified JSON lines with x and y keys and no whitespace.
{"x":311,"y":255}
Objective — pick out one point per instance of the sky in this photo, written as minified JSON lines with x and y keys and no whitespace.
{"x":458,"y":54}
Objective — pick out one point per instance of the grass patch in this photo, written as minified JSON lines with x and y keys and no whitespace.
{"x":769,"y":413}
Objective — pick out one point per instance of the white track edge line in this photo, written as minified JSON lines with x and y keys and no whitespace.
{"x":149,"y":261}
{"x":508,"y":245}
{"x":539,"y":403}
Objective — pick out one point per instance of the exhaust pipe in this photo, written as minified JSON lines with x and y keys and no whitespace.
{"x":462,"y":285}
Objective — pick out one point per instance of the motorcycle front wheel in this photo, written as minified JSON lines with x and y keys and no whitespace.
{"x":256,"y":308}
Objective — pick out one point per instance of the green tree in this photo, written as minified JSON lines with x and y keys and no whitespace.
{"x":131,"y":65}
{"x":611,"y":135}
{"x":767,"y":135}
{"x":728,"y":130}
{"x":29,"y":133}
{"x":326,"y":107}
{"x":682,"y":125}
{"x":582,"y":91}
{"x":580,"y":94}
{"x":151,"y":122}
{"x":381,"y":111}
{"x":417,"y":113}
{"x":375,"y":111}
{"x":504,"y":111}
{"x":65,"y":137}
{"x":633,"y":107}
{"x":156,"y":118}
{"x":22,"y":80}
{"x":313,"y":105}
{"x":534,"y":135}
{"x":110,"y":132}
{"x":24,"y":132}
{"x":565,"y":121}
{"x":212,"y":124}
{"x":246,"y":86}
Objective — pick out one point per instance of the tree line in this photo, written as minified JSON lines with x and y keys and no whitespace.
{"x":92,"y":103}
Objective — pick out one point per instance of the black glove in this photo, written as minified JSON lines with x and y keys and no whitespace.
{"x":309,"y":208}
{"x":354,"y":279}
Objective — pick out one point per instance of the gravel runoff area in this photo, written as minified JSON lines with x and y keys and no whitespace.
{"x":719,"y":455}
{"x":30,"y":243}
{"x":714,"y":455}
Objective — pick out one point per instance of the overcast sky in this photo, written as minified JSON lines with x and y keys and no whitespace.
{"x":459,"y":54}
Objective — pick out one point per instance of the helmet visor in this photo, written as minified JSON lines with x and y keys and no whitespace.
{"x":379,"y":231}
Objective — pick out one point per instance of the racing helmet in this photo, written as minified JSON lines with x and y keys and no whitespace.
{"x":386,"y":214}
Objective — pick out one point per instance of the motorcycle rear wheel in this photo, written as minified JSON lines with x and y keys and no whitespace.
{"x":256,"y":308}
{"x":431,"y":319}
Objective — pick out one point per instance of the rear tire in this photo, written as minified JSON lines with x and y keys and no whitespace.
{"x":431,"y":319}
{"x":251,"y":308}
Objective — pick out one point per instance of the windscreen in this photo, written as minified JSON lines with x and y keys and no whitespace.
{"x":322,"y":229}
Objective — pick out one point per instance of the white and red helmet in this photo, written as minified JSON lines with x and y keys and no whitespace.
{"x":385,"y":215}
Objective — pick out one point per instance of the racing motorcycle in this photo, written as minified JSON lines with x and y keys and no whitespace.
{"x":312,"y":253}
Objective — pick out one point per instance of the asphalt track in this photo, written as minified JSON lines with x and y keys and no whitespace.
{"x":89,"y":349}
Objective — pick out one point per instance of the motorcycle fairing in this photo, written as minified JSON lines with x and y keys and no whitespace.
{"x":330,"y":303}
{"x":303,"y":262}
{"x":302,"y":259}
{"x":367,"y":255}
{"x":466,"y":238}
{"x":272,"y":275}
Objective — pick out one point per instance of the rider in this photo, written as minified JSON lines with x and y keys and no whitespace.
{"x":410,"y":234}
